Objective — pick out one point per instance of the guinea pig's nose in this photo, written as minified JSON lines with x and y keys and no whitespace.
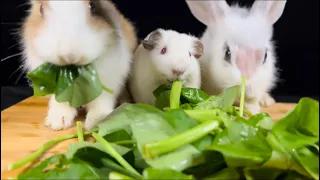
{"x":177,"y":72}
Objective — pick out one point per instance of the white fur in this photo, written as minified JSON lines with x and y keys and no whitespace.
{"x":66,"y":38}
{"x":150,"y":69}
{"x":239,"y":27}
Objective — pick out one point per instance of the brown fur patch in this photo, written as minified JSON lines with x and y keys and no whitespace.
{"x":198,"y":47}
{"x":96,"y":20}
{"x":101,"y":20}
{"x":129,"y":33}
{"x":152,"y":41}
{"x":34,"y":22}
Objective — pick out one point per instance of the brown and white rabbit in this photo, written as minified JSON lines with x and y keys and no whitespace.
{"x":238,"y":41}
{"x":80,"y":32}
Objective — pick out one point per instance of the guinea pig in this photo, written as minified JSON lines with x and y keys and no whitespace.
{"x":78,"y":33}
{"x":238,"y":42}
{"x":163,"y":57}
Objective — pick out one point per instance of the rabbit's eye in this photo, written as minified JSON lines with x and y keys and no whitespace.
{"x":265,"y":57}
{"x":92,"y":7}
{"x":41,"y":9}
{"x":227,"y":54}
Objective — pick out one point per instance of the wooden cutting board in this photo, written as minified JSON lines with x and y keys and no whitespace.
{"x":23,"y":132}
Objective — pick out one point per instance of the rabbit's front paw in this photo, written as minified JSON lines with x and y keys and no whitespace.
{"x":98,"y":109}
{"x":267,"y":100}
{"x":254,"y":108}
{"x":60,"y":116}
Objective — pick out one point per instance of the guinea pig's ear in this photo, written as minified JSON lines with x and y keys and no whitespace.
{"x":271,"y":9}
{"x":198,"y":48}
{"x":208,"y":12}
{"x":152,"y":41}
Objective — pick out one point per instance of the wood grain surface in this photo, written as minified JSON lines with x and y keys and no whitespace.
{"x":23,"y":132}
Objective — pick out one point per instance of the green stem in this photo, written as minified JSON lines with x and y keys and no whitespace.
{"x":80,"y":131}
{"x":116,"y":175}
{"x":125,"y":142}
{"x":152,"y":150}
{"x":112,"y":152}
{"x":107,"y":89}
{"x":175,"y":94}
{"x":201,"y":115}
{"x":245,"y":111}
{"x":243,"y":90}
{"x":44,"y":148}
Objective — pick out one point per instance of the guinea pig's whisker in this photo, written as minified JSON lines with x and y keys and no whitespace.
{"x":159,"y":74}
{"x":189,"y":77}
{"x":11,"y":56}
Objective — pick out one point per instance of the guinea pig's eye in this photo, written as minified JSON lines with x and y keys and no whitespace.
{"x":227,"y":54}
{"x":164,"y":50}
{"x":92,"y":7}
{"x":265,"y":57}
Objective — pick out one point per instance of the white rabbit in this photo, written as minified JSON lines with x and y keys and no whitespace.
{"x":163,"y":57}
{"x":80,"y":32}
{"x":238,"y":41}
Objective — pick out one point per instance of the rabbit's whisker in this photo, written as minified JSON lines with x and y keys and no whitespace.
{"x":11,"y":56}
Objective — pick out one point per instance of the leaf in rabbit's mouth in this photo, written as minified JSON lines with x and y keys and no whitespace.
{"x":77,"y":85}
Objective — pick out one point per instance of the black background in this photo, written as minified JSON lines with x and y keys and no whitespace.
{"x":296,"y":34}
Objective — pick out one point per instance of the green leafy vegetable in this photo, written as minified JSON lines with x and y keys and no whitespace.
{"x":194,"y":95}
{"x":187,"y":135}
{"x":163,"y":100}
{"x":188,"y":96}
{"x":77,"y":85}
{"x":226,"y":174}
{"x":242,"y":145}
{"x":162,"y":88}
{"x":154,"y":122}
{"x":74,"y":148}
{"x":223,"y":100}
{"x":116,"y":175}
{"x":181,"y":122}
{"x":151,"y":173}
{"x":44,"y":79}
{"x":263,"y":173}
{"x":112,"y":152}
{"x":300,"y":127}
{"x":59,"y":167}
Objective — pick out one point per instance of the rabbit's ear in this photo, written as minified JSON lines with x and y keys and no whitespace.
{"x":208,"y":12}
{"x":272,"y":9}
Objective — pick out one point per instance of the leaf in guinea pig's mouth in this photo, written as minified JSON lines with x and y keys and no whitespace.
{"x":77,"y":85}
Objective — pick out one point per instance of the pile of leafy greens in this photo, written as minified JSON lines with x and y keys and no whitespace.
{"x":189,"y":135}
{"x":77,"y":85}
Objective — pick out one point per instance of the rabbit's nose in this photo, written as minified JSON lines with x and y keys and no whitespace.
{"x":70,"y":59}
{"x":177,"y":72}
